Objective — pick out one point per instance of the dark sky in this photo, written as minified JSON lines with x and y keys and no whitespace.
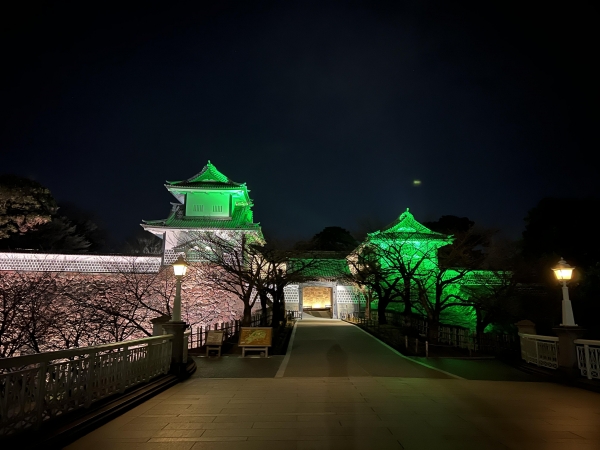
{"x":328,"y":110}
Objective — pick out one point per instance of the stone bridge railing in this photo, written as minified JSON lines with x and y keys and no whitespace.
{"x":588,"y":358}
{"x":37,"y":388}
{"x":539,"y":350}
{"x":544,"y":351}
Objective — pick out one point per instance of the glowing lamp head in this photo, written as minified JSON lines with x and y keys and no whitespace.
{"x":180,"y":266}
{"x":563,"y":271}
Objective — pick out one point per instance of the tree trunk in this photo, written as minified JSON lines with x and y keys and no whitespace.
{"x":479,"y":323}
{"x":247,"y":317}
{"x":263,"y":306}
{"x":433,"y":330}
{"x":368,"y":300}
{"x":381,"y":307}
{"x":278,"y":309}
{"x":407,"y":301}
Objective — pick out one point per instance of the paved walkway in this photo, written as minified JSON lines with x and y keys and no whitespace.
{"x":342,"y":389}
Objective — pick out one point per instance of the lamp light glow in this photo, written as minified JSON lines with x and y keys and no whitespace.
{"x":179,"y":269}
{"x":563,"y":271}
{"x":180,"y":266}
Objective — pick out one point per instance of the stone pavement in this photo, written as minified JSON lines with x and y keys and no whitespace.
{"x":342,"y":389}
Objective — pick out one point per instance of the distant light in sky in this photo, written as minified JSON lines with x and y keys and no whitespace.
{"x":416,"y":182}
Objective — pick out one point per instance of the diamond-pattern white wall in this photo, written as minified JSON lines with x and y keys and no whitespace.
{"x":44,"y":262}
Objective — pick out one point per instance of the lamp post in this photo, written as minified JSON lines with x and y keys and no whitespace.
{"x":568,"y":331}
{"x":179,"y":269}
{"x":563,"y":273}
{"x":176,"y":327}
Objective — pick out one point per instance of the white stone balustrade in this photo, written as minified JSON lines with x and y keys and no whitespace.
{"x":588,"y":358}
{"x":35,"y":388}
{"x":539,"y":350}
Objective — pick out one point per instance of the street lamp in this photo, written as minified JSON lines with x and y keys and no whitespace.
{"x":179,"y":269}
{"x":563,"y":273}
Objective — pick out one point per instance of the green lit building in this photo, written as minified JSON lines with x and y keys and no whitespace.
{"x":206,"y":202}
{"x":211,"y":202}
{"x":330,"y":289}
{"x":406,"y":251}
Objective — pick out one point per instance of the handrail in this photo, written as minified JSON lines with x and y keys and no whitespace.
{"x":586,"y":342}
{"x":37,"y":388}
{"x":25,"y":360}
{"x":539,"y":350}
{"x":539,"y":337}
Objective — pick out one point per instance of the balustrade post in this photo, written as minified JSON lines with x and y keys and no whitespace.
{"x":41,"y":394}
{"x":123,"y":369}
{"x":567,"y":350}
{"x":92,"y":378}
{"x":526,"y":327}
{"x":157,"y":324}
{"x":177,"y":354}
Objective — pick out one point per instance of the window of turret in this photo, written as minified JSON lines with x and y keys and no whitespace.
{"x":208,"y":204}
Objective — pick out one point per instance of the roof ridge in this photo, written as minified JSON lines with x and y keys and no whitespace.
{"x":209,"y":174}
{"x":406,"y":223}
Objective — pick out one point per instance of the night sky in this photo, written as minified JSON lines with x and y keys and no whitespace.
{"x":327,"y":110}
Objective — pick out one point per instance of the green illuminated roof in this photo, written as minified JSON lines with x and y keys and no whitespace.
{"x":241,"y":220}
{"x":476,"y":277}
{"x":407,"y":227}
{"x":327,"y":269}
{"x":209,"y":177}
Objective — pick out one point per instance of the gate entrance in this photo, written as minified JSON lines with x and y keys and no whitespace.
{"x":316,"y":300}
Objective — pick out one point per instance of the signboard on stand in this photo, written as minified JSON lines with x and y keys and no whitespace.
{"x":256,"y":338}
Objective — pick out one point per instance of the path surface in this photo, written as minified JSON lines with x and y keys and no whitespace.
{"x":342,"y":389}
{"x":334,"y":348}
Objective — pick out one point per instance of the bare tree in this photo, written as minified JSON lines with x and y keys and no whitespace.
{"x":239,"y":265}
{"x":375,"y":279}
{"x":441,"y":285}
{"x":77,"y":323}
{"x":28,"y":310}
{"x":493,"y":299}
{"x":389,"y":269}
{"x":280,"y":268}
{"x":131,"y":297}
{"x":229,"y":262}
{"x":438,"y":292}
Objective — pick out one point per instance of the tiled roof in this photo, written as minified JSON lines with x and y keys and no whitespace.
{"x":209,"y":177}
{"x":476,"y":277}
{"x":408,"y":235}
{"x":241,"y":220}
{"x":407,"y":227}
{"x":329,"y":269}
{"x":203,"y":184}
